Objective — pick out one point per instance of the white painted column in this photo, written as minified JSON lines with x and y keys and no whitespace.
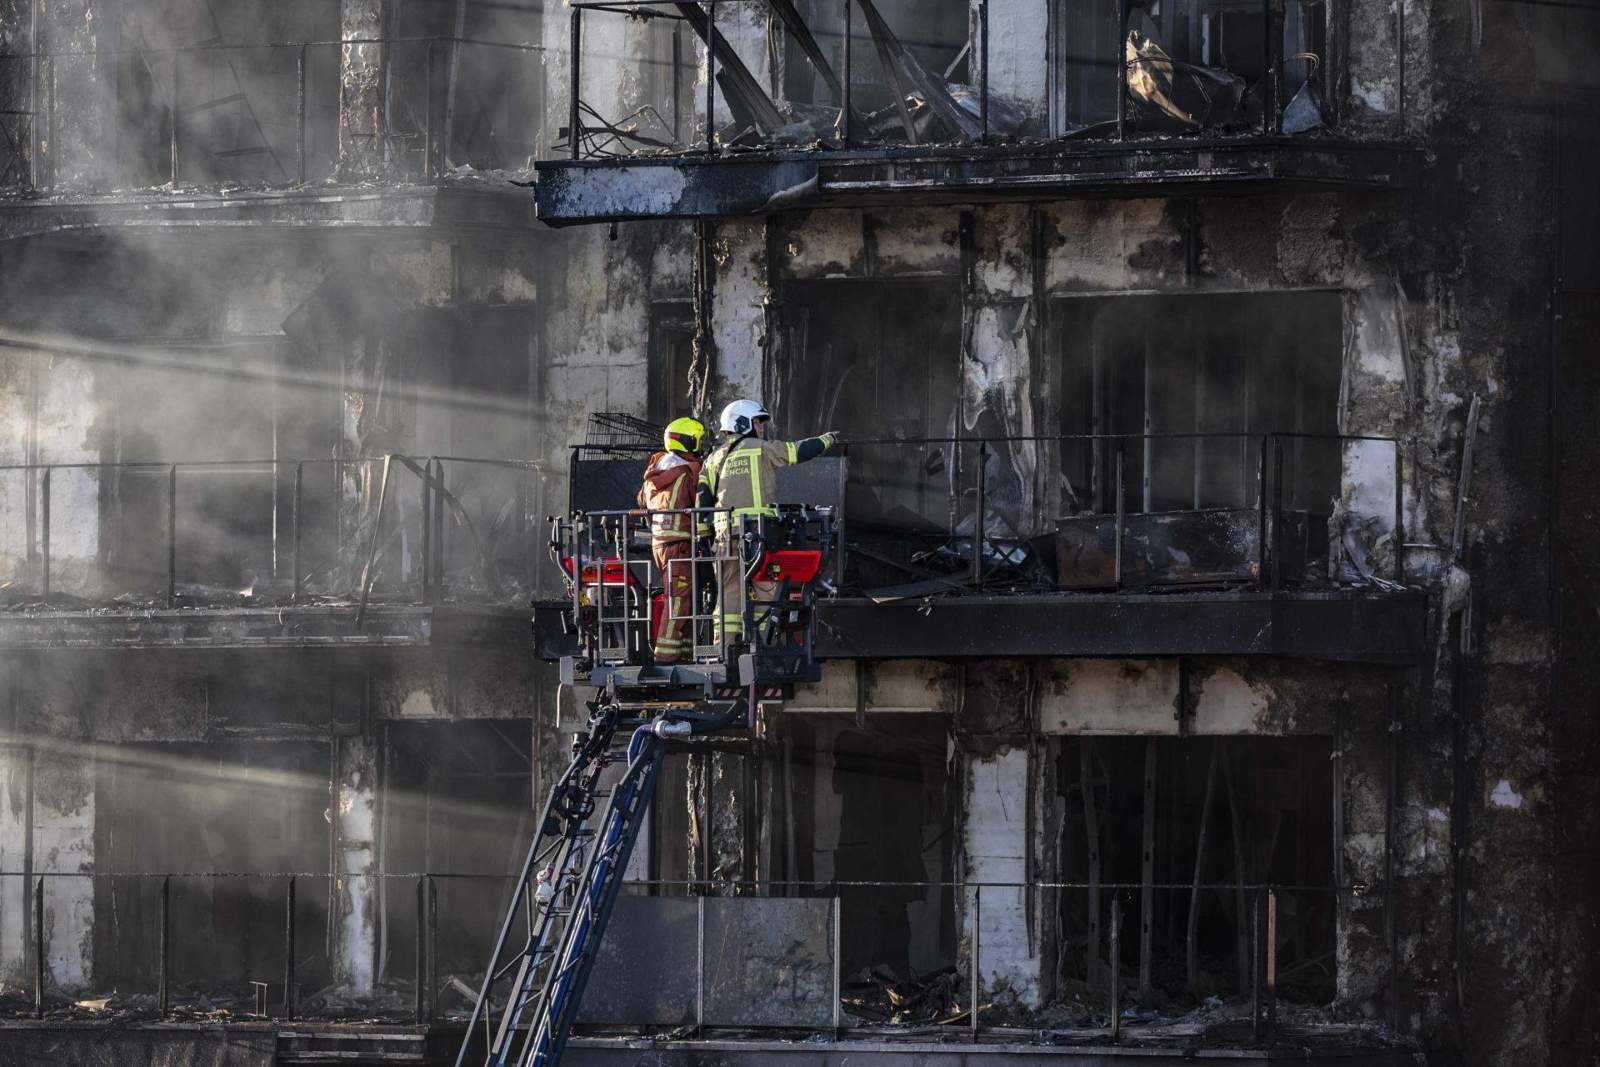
{"x":16,"y":793}
{"x":355,"y":887}
{"x":996,"y":846}
{"x":63,"y":844}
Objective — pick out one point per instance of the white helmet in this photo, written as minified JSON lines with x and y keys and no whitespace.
{"x":740,"y":416}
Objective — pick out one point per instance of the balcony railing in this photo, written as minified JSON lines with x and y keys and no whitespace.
{"x":274,"y":958}
{"x":267,"y":114}
{"x":650,"y":77}
{"x":1262,"y":511}
{"x":389,"y":529}
{"x":914,"y":517}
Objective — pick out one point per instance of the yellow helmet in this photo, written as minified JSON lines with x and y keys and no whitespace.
{"x":684,"y":435}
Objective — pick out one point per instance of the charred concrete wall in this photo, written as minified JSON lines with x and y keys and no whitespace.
{"x":1460,"y":798}
{"x":1446,"y":298}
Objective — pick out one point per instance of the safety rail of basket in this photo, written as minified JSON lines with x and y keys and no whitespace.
{"x":617,"y":591}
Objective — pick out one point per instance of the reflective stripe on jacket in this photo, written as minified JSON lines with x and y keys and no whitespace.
{"x":743,"y":474}
{"x":670,"y":483}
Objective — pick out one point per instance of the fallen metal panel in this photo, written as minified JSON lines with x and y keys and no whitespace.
{"x":769,"y":962}
{"x":645,"y":972}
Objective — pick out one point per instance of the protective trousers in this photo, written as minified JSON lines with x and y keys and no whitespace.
{"x":674,"y":563}
{"x":731,"y":601}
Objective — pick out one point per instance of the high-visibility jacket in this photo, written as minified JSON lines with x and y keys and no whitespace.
{"x":742,"y":474}
{"x":671,"y":482}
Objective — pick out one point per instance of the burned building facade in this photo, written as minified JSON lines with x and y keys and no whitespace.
{"x":1213,"y":620}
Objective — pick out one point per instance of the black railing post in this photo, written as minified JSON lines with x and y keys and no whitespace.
{"x":1257,"y":963}
{"x":50,"y":125}
{"x":1274,"y":56}
{"x":1400,"y":64}
{"x":1261,"y":513}
{"x":44,"y":534}
{"x":981,"y":506}
{"x":427,"y":530}
{"x":1122,"y":69}
{"x":420,"y":1007}
{"x":163,"y":949}
{"x":300,"y":111}
{"x":577,"y":80}
{"x":433,"y":944}
{"x":977,"y":957}
{"x":1399,"y":515}
{"x":439,"y":547}
{"x":429,"y":142}
{"x":1116,"y":967}
{"x":844,"y":116}
{"x":288,"y":950}
{"x":299,"y":483}
{"x":172,"y":146}
{"x":711,"y":77}
{"x":1266,"y":67}
{"x":1271,"y":978}
{"x":1120,"y":523}
{"x":983,"y":86}
{"x":1277,"y":514}
{"x":38,"y":949}
{"x":172,"y":535}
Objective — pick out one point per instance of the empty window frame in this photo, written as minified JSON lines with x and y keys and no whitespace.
{"x":456,"y":56}
{"x":228,"y":74}
{"x":671,"y":356}
{"x":226,"y":808}
{"x":1195,"y":382}
{"x":1226,"y":37}
{"x":457,"y":803}
{"x":935,"y":32}
{"x":872,"y":805}
{"x":1234,"y":814}
{"x":880,"y":360}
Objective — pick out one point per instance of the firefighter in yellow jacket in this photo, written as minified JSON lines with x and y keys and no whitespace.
{"x":742,"y":475}
{"x":670,"y":486}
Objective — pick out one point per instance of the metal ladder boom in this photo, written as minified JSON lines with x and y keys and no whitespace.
{"x":568,"y":887}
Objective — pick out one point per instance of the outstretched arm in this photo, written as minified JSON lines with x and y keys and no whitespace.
{"x":784,"y":452}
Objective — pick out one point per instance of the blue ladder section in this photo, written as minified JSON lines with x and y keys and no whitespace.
{"x":569,"y":884}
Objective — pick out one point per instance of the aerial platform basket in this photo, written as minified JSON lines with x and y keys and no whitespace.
{"x":616,"y":604}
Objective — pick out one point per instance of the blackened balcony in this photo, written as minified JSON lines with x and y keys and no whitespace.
{"x":387,"y":550}
{"x":1225,"y":543}
{"x":391,"y":131}
{"x":849,"y":102}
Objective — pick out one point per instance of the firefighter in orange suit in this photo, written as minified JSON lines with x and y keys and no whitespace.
{"x":670,"y":484}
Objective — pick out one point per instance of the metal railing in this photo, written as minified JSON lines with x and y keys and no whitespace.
{"x":661,"y":72}
{"x":1242,"y":497}
{"x":269,"y":114}
{"x":295,"y":904}
{"x":302,"y":531}
{"x":622,"y":600}
{"x":278,"y":531}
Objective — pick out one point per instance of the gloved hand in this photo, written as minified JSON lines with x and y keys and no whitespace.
{"x":835,"y":440}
